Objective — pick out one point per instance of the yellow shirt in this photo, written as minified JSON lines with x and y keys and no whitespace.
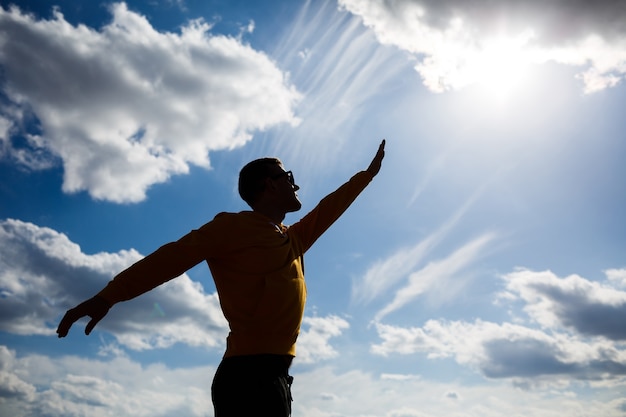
{"x":257,"y":266}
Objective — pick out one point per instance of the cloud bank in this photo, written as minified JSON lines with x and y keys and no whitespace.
{"x":458,"y":43}
{"x":126,"y":106}
{"x":575,"y":332}
{"x":35,"y":385}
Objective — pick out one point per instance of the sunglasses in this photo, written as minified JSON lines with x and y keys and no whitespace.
{"x":289,"y":176}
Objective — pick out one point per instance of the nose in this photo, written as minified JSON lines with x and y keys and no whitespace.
{"x":296,"y":187}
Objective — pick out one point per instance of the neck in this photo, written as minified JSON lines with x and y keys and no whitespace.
{"x":275,"y":216}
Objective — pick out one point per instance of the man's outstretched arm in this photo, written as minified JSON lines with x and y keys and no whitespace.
{"x":167,"y":262}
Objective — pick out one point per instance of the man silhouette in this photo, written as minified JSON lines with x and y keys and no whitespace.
{"x":258,"y":267}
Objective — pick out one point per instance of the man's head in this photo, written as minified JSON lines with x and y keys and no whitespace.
{"x":265,"y":179}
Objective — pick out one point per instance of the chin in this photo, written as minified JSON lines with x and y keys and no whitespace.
{"x":296,"y":206}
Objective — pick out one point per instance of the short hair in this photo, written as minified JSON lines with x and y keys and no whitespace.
{"x":252,"y":178}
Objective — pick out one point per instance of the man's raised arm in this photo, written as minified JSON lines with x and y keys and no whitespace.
{"x":331,"y":207}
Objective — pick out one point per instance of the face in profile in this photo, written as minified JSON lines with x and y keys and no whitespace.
{"x":286,"y":188}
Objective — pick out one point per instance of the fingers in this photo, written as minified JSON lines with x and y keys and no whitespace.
{"x":378,"y":159}
{"x":381,"y":150}
{"x":67,"y":321}
{"x":92,"y":323}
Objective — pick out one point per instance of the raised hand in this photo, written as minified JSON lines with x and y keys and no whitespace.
{"x":378,"y":160}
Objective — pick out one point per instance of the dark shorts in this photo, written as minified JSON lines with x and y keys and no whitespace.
{"x":256,"y":385}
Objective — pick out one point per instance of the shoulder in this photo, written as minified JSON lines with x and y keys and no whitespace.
{"x":225,"y":219}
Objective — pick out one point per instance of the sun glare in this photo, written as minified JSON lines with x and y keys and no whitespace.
{"x":501,"y":69}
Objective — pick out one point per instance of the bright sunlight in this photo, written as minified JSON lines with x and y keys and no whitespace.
{"x":502,"y":67}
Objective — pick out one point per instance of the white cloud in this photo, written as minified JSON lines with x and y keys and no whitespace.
{"x":581,"y":335}
{"x":126,"y":107}
{"x":617,"y":276}
{"x":11,"y":385}
{"x":588,"y":307}
{"x":43,"y":273}
{"x":508,"y":351}
{"x":458,"y":43}
{"x":71,"y":386}
{"x":313,"y":345}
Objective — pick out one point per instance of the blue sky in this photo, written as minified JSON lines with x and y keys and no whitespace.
{"x":482,"y":273}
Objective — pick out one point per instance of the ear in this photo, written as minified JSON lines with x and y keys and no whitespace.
{"x":270,"y":185}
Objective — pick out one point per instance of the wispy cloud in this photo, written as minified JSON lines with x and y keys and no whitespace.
{"x":457,"y":43}
{"x":442,"y":279}
{"x":340,"y":68}
{"x":404,"y":263}
{"x":127,"y":106}
{"x":386,"y":273}
{"x":617,"y":276}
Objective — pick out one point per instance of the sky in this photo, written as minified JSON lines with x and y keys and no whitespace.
{"x":482,"y":272}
